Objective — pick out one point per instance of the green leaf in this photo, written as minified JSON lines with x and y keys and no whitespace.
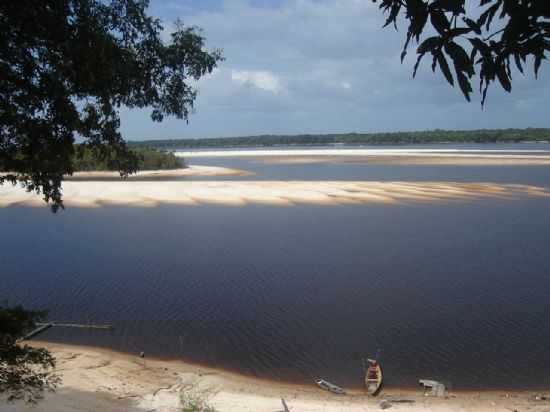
{"x":439,"y":21}
{"x":460,"y":58}
{"x":418,"y":20}
{"x":482,"y":47}
{"x":490,"y":14}
{"x":472,"y":25}
{"x":444,"y":66}
{"x":538,"y":60}
{"x":454,"y":6}
{"x":503,"y":79}
{"x":417,"y":64}
{"x":518,"y":62}
{"x":429,"y":44}
{"x":459,"y":31}
{"x":464,"y":84}
{"x":393,"y":14}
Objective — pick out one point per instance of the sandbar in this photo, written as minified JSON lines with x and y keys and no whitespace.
{"x":428,"y":160}
{"x":469,"y":157}
{"x":534,"y":157}
{"x":277,"y":193}
{"x":191,"y":171}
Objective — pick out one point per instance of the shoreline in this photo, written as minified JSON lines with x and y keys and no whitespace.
{"x":107,"y":380}
{"x":207,"y":369}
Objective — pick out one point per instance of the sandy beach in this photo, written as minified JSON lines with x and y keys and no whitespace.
{"x":193,"y":170}
{"x":99,"y":379}
{"x":277,"y":193}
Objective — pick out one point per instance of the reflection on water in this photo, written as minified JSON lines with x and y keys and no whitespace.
{"x":456,"y":292}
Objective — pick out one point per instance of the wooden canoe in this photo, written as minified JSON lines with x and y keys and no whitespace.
{"x":373,"y":377}
{"x":323,"y":384}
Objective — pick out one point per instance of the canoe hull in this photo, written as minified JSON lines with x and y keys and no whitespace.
{"x":373,"y":377}
{"x":330,"y":387}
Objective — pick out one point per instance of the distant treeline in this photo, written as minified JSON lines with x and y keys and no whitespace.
{"x":432,"y":136}
{"x":85,"y":159}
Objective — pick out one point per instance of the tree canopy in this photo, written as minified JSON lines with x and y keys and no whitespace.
{"x":484,"y":42}
{"x":25,"y":371}
{"x":67,"y":67}
{"x":148,"y":158}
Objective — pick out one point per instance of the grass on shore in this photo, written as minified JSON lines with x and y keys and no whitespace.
{"x":193,"y":403}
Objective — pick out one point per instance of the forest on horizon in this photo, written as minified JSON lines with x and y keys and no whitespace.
{"x":417,"y":137}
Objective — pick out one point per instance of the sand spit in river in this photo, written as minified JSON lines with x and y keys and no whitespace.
{"x":384,"y":156}
{"x":278,"y":193}
{"x":428,"y":160}
{"x":194,"y":171}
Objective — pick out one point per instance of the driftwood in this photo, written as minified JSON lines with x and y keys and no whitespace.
{"x":285,"y":408}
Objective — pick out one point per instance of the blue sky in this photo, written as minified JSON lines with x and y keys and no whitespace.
{"x":322,"y":66}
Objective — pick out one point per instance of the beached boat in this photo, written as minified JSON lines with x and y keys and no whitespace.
{"x":323,"y":384}
{"x":373,"y":377}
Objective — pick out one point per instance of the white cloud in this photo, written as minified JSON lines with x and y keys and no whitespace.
{"x":262,"y":79}
{"x":346,"y":85}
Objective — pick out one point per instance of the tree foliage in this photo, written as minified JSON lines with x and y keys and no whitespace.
{"x":25,"y":372}
{"x":86,"y":159}
{"x":66,"y":68}
{"x":504,"y":33}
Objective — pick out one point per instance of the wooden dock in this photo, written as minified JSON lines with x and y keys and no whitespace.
{"x":77,"y":325}
{"x":41,"y":327}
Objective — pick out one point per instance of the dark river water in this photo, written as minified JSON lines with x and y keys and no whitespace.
{"x":457,"y":291}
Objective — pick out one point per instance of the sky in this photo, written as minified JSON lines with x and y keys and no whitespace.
{"x":322,"y":66}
